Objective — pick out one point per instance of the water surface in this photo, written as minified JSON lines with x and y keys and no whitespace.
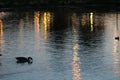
{"x":63,"y":45}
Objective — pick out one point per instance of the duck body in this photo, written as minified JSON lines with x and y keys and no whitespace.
{"x":24,"y":59}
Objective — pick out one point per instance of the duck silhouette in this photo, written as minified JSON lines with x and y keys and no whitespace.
{"x":116,"y":38}
{"x":0,"y":54}
{"x":24,"y":60}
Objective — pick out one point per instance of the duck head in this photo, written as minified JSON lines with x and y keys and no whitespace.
{"x":30,"y":60}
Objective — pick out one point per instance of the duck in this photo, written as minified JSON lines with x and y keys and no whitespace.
{"x":0,"y":54}
{"x":24,"y":60}
{"x":117,"y":38}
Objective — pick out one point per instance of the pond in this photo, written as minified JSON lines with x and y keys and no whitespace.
{"x":64,"y":45}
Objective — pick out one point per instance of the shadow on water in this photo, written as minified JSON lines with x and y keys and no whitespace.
{"x":58,"y":29}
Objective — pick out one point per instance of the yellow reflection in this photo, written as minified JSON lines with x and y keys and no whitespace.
{"x":116,"y":57}
{"x":37,"y":25}
{"x":91,"y":21}
{"x":76,"y":59}
{"x":47,"y":18}
{"x":1,"y":37}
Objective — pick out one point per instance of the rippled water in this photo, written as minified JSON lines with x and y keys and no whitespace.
{"x":64,"y":46}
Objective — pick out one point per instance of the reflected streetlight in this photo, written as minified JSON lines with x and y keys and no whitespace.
{"x":75,"y":63}
{"x":37,"y":21}
{"x":1,"y":37}
{"x":75,"y":48}
{"x":37,"y":25}
{"x":47,"y":18}
{"x":116,"y":57}
{"x":117,"y":30}
{"x":91,"y":21}
{"x":1,"y":28}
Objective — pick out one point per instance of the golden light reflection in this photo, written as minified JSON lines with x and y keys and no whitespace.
{"x":1,"y":28}
{"x":37,"y":25}
{"x":1,"y":37}
{"x":91,"y":21}
{"x":76,"y":59}
{"x":47,"y":18}
{"x":75,"y":63}
{"x":116,"y":28}
{"x":116,"y":56}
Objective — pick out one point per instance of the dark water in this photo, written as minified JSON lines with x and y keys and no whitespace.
{"x":63,"y":45}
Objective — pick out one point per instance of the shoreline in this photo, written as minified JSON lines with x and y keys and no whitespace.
{"x":80,"y":7}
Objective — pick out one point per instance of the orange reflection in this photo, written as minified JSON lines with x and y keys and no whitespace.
{"x":47,"y":18}
{"x":37,"y":25}
{"x":76,"y":59}
{"x":37,"y":21}
{"x":1,"y":37}
{"x":75,"y":64}
{"x":1,"y":29}
{"x":116,"y":57}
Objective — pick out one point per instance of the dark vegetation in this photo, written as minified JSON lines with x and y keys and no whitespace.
{"x":34,"y":4}
{"x":54,"y":2}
